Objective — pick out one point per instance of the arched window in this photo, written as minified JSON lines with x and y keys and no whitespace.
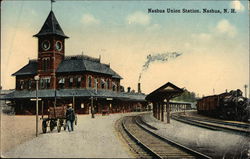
{"x":96,"y":83}
{"x":30,"y":84}
{"x":90,"y":81}
{"x":46,"y":64}
{"x":45,"y":82}
{"x":61,"y":83}
{"x":114,"y":87}
{"x":71,"y":82}
{"x":78,"y":82}
{"x":103,"y":83}
{"x":108,"y":84}
{"x":21,"y":84}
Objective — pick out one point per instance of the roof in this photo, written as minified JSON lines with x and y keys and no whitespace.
{"x":80,"y":63}
{"x":3,"y":92}
{"x":167,"y":91}
{"x":51,"y":27}
{"x":29,"y":69}
{"x":83,"y":63}
{"x":50,"y":93}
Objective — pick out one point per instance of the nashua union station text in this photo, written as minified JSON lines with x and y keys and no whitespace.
{"x":78,"y":80}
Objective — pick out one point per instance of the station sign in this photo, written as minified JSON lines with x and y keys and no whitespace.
{"x":109,"y":98}
{"x":34,"y":99}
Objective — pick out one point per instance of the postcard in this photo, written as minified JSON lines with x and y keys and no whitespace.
{"x":102,"y":79}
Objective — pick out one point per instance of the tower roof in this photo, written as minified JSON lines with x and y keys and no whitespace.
{"x":51,"y":27}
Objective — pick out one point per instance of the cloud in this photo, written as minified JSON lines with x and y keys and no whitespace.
{"x":236,"y":4}
{"x":153,"y":27}
{"x":202,"y":36}
{"x":138,"y":18}
{"x":89,"y":19}
{"x":225,"y":27}
{"x":222,"y":28}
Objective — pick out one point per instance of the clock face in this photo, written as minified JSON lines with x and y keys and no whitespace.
{"x":58,"y":45}
{"x":46,"y":45}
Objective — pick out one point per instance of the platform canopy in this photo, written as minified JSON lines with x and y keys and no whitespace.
{"x":160,"y":97}
{"x":79,"y":93}
{"x":167,"y":91}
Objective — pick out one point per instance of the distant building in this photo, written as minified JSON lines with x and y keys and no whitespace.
{"x":69,"y":79}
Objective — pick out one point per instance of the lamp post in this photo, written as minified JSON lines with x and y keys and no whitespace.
{"x":92,"y":107}
{"x":36,"y":79}
{"x":245,"y":86}
{"x":73,"y":100}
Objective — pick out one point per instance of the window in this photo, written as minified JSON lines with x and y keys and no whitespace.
{"x":108,"y":84}
{"x":30,"y":84}
{"x":78,"y":82}
{"x":89,"y":81}
{"x":21,"y":84}
{"x":46,"y":64}
{"x":103,"y":83}
{"x":45,"y":83}
{"x":41,"y":83}
{"x":96,"y":83}
{"x":26,"y":84}
{"x":61,"y":83}
{"x":70,"y":81}
{"x":114,"y":87}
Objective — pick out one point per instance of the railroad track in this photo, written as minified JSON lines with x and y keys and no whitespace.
{"x":233,"y":124}
{"x":213,"y":124}
{"x":153,"y":145}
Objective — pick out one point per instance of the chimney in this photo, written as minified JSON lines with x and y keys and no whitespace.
{"x":129,"y":89}
{"x":139,"y":87}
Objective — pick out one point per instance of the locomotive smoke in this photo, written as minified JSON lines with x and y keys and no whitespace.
{"x":160,"y":57}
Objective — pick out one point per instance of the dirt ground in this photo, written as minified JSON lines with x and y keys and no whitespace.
{"x":16,"y":129}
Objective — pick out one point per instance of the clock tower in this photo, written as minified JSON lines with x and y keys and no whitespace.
{"x":51,"y":51}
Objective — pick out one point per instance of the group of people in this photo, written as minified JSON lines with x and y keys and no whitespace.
{"x":70,"y":118}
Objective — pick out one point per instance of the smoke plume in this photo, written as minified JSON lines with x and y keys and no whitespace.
{"x":160,"y":57}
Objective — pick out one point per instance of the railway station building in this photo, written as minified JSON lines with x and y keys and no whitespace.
{"x":78,"y":80}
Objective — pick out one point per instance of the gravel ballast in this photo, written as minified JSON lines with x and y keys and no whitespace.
{"x":217,"y":144}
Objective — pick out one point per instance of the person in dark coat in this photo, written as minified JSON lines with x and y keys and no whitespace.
{"x":70,"y":117}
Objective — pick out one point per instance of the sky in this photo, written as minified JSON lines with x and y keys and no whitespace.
{"x":214,"y":47}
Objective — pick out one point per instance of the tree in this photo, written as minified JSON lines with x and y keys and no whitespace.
{"x":186,"y":96}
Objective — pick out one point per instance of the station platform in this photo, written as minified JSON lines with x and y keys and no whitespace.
{"x":92,"y":138}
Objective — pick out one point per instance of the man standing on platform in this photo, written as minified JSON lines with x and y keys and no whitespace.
{"x":70,"y":117}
